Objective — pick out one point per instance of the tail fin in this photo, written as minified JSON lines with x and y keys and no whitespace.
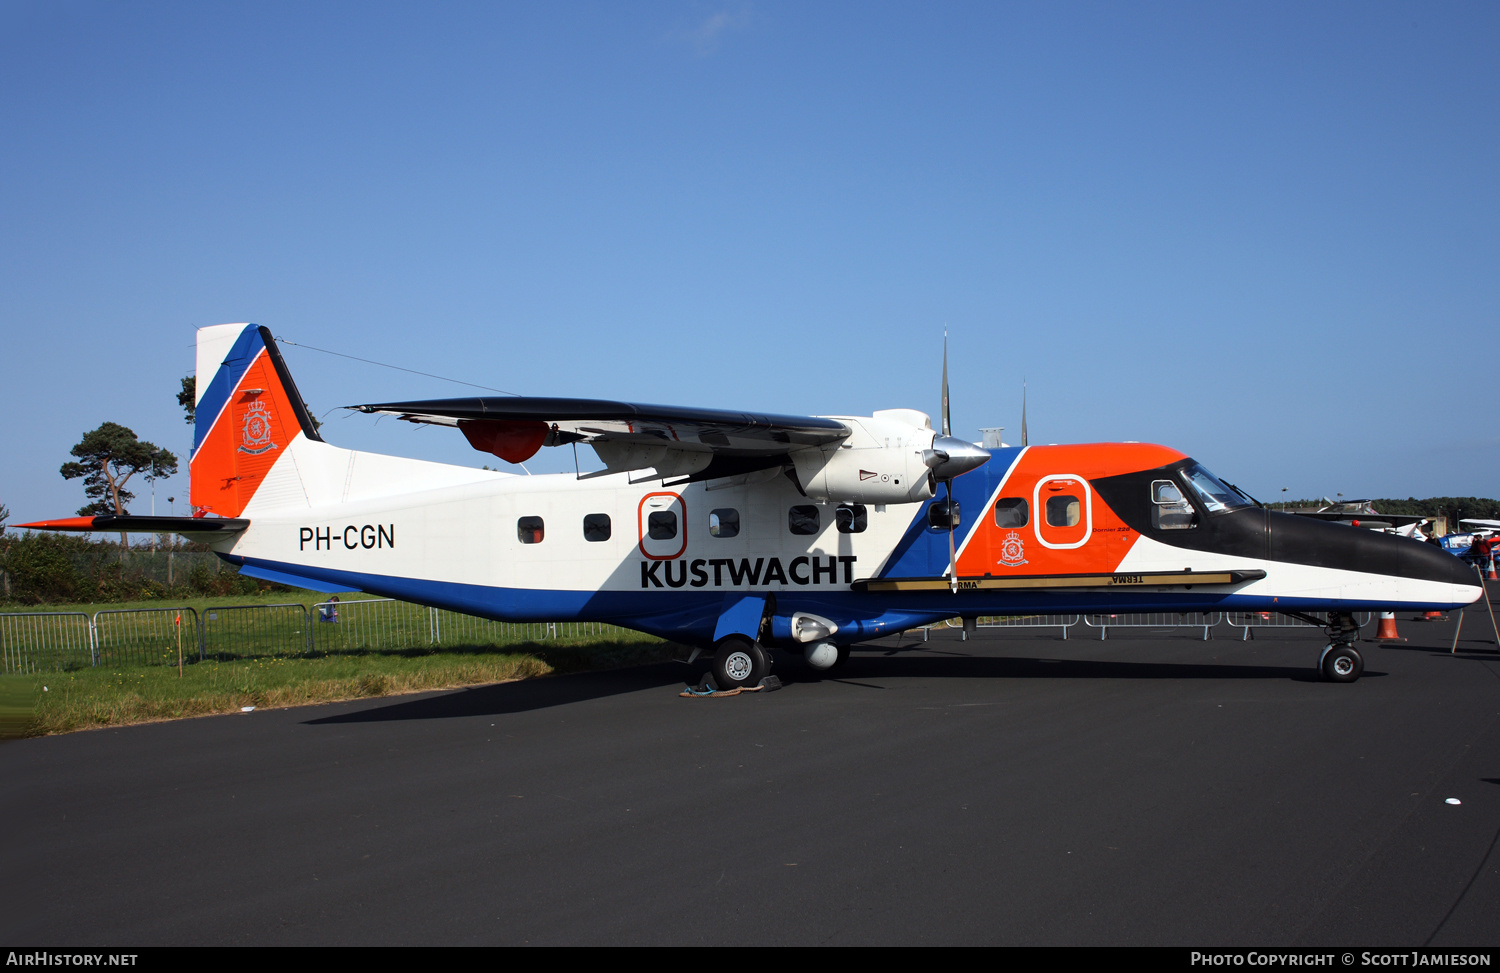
{"x":248,"y":413}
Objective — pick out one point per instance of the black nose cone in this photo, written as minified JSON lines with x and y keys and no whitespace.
{"x":1328,"y":545}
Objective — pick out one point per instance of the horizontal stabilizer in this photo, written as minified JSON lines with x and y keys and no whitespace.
{"x":142,"y":525}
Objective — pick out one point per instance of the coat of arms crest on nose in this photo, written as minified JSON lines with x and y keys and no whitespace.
{"x":255,"y":434}
{"x":1012,"y":550}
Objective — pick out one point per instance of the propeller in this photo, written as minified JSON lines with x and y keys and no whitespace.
{"x":948,"y":434}
{"x":950,"y":457}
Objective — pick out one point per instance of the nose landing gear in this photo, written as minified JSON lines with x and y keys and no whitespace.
{"x":1341,"y":661}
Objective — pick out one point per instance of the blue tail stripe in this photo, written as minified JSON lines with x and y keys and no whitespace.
{"x":224,"y":382}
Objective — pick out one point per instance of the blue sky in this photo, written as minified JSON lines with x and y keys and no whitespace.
{"x":1265,"y":234}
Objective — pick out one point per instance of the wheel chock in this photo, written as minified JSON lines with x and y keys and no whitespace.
{"x":767,"y":685}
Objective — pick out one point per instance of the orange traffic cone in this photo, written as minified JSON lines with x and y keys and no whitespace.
{"x":1387,"y":630}
{"x":1492,"y":570}
{"x":1432,"y":617}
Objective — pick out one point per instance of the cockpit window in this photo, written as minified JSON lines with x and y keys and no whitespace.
{"x":1170,"y":509}
{"x":1216,"y":496}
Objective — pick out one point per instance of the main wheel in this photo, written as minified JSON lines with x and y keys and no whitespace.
{"x":739,"y":662}
{"x":1342,"y":663}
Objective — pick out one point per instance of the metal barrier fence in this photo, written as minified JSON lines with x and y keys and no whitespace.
{"x":1203,"y":620}
{"x":146,"y":636}
{"x":54,"y":641}
{"x":456,"y":628}
{"x":45,"y":641}
{"x":1063,"y":622}
{"x":1249,"y":621}
{"x":370,"y":624}
{"x":50,"y":641}
{"x":382,"y":623}
{"x":242,"y":631}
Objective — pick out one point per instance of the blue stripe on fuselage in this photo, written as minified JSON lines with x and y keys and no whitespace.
{"x":691,"y":616}
{"x":922,"y":551}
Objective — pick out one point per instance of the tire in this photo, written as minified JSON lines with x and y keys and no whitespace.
{"x":1342,"y":663}
{"x":739,"y":662}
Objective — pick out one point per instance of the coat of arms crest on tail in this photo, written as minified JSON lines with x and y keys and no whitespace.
{"x":256,"y":432}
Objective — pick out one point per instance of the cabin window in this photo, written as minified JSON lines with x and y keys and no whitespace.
{"x":1063,"y":510}
{"x":661,"y":525}
{"x":596,"y":527}
{"x":724,"y":522}
{"x":851,"y":518}
{"x":530,"y":530}
{"x":1169,"y":508}
{"x":1012,"y":512}
{"x":802,"y":519}
{"x":944,"y":514}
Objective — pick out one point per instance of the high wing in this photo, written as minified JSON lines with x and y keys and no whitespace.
{"x":698,"y":444}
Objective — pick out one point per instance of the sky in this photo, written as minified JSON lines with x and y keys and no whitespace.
{"x":1264,"y":234}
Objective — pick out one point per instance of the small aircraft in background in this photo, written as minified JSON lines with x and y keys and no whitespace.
{"x":1470,"y":529}
{"x":1479,"y":526}
{"x":1362,"y":513}
{"x":735,"y":532}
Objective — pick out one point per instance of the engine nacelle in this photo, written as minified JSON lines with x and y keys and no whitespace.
{"x":884,"y":460}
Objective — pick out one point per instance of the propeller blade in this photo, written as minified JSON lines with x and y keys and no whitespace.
{"x":947,"y":430}
{"x":952,"y":553}
{"x":1023,"y":414}
{"x":947,"y":458}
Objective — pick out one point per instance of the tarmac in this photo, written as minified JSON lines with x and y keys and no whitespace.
{"x":1015,"y":788}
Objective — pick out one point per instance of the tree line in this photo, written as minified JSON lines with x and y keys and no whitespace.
{"x":46,"y":568}
{"x":1454,"y":508}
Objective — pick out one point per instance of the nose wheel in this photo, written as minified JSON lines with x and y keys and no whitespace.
{"x":1341,"y":663}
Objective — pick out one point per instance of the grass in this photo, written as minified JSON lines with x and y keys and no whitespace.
{"x":380,"y":651}
{"x":61,"y":702}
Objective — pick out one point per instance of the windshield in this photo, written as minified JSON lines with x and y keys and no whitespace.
{"x":1215,"y":495}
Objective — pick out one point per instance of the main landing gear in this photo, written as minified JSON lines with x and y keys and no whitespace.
{"x":739,"y":662}
{"x":1341,"y":661}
